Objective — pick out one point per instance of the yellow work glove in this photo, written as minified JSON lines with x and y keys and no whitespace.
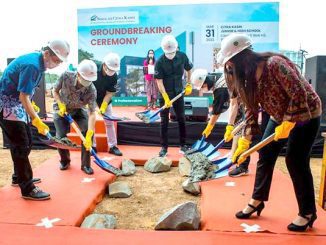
{"x":167,"y":101}
{"x":207,"y":131}
{"x":188,"y":89}
{"x":243,"y":145}
{"x":228,"y":133}
{"x":42,"y":128}
{"x":35,"y":107}
{"x":103,"y":107}
{"x":282,"y":131}
{"x":62,"y":109}
{"x":88,"y":140}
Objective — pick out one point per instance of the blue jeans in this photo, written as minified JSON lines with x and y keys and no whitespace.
{"x":297,"y":159}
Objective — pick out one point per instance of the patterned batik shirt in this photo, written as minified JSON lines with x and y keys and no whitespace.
{"x":285,"y":94}
{"x":22,"y":75}
{"x":73,"y":97}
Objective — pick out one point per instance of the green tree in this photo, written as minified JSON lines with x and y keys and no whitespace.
{"x":50,"y":79}
{"x":82,"y":54}
{"x":134,"y":82}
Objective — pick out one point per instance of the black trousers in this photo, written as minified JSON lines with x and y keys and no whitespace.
{"x":20,"y":139}
{"x":179,"y":109}
{"x":62,"y":127}
{"x":297,"y":160}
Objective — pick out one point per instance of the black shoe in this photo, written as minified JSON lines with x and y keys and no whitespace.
{"x":258,"y":209}
{"x":35,"y":181}
{"x":87,"y":170}
{"x":37,"y":194}
{"x":64,"y":166}
{"x":163,"y":152}
{"x":301,"y":228}
{"x":238,"y":171}
{"x":115,"y":150}
{"x":184,"y":149}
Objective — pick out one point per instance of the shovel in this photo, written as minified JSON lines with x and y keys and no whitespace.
{"x":151,"y":116}
{"x":258,"y":146}
{"x":101,"y":163}
{"x":63,"y":143}
{"x":115,"y":119}
{"x":211,"y":151}
{"x":225,"y":164}
{"x":199,"y":144}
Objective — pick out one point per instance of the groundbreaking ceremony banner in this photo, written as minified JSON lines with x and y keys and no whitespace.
{"x":198,"y":28}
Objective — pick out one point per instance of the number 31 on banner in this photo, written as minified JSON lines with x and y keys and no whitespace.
{"x":209,"y":33}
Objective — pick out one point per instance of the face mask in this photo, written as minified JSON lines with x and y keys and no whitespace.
{"x":170,"y":56}
{"x":84,"y":82}
{"x":50,"y":64}
{"x":108,"y":71}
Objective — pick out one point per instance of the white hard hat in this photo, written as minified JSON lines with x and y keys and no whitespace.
{"x":198,"y":78}
{"x":112,"y":61}
{"x":169,"y":44}
{"x":60,"y":47}
{"x":88,"y":71}
{"x":232,"y":45}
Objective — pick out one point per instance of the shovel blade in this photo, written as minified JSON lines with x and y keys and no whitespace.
{"x":214,"y":155}
{"x":59,"y":145}
{"x":224,"y":165}
{"x":108,"y":167}
{"x":218,"y":161}
{"x":209,"y":149}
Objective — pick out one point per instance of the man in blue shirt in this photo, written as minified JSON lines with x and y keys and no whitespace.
{"x":17,"y":87}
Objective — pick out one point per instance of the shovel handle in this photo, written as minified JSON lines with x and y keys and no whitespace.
{"x":258,"y":146}
{"x":75,"y":127}
{"x":164,"y":107}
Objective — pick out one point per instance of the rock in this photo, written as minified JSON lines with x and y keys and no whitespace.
{"x":193,"y":188}
{"x":99,"y":221}
{"x":185,"y":216}
{"x":128,"y":167}
{"x":158,"y":164}
{"x":201,"y":167}
{"x":184,"y":166}
{"x":119,"y":189}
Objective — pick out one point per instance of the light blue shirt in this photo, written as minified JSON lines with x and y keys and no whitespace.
{"x":23,"y":74}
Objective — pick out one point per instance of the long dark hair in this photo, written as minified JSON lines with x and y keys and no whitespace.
{"x":243,"y":81}
{"x":147,"y":57}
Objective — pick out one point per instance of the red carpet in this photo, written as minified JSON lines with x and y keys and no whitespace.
{"x":219,"y":203}
{"x":28,"y":234}
{"x":73,"y":199}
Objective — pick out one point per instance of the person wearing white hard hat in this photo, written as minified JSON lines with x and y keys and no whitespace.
{"x":201,"y":80}
{"x":169,"y":70}
{"x":106,"y":87}
{"x":17,"y":87}
{"x":73,"y":92}
{"x":273,"y":82}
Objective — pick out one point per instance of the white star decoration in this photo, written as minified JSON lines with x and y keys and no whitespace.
{"x":107,"y":158}
{"x":87,"y":180}
{"x":47,"y":223}
{"x":230,"y":183}
{"x":250,"y":228}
